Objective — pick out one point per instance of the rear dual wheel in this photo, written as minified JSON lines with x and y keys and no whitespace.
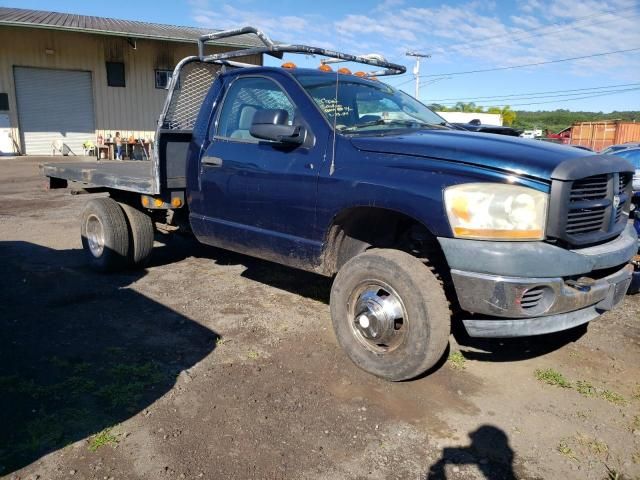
{"x":114,"y":235}
{"x":390,"y":314}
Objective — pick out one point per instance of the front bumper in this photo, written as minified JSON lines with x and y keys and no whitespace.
{"x":530,"y":288}
{"x":555,"y":305}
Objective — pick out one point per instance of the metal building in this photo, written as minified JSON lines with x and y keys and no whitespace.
{"x":67,"y":79}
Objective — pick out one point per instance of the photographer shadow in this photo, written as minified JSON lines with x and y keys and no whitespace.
{"x":489,"y":451}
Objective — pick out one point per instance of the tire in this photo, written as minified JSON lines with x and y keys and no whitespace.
{"x":141,"y":234}
{"x":404,"y":286}
{"x":105,"y":235}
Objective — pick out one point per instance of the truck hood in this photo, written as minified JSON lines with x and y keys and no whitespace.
{"x":532,"y":158}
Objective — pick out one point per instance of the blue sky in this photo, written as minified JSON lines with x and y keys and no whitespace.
{"x":460,"y":35}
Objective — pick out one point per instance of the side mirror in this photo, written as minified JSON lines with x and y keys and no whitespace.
{"x":271,"y":124}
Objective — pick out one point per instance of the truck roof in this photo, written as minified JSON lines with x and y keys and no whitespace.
{"x":294,"y":72}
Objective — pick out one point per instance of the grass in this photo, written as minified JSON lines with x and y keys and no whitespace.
{"x":593,"y":445}
{"x":585,"y":388}
{"x":564,"y":449}
{"x":613,"y":397}
{"x":253,"y":355}
{"x":636,"y":392}
{"x":552,"y":377}
{"x":635,"y":425}
{"x":457,"y":360}
{"x":128,"y":382}
{"x":105,"y":437}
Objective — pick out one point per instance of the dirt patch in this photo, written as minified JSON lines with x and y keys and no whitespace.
{"x":210,"y":364}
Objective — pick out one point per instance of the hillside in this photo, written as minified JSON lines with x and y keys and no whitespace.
{"x":559,"y":119}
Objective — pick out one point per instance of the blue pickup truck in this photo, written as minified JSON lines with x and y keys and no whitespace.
{"x":337,"y":173}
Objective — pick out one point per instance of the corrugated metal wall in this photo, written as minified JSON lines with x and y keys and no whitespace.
{"x":600,"y":135}
{"x":131,"y":110}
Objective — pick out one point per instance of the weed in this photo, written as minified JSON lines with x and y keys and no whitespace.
{"x":457,"y":360}
{"x":613,"y":474}
{"x":613,"y":397}
{"x":635,"y":457}
{"x":636,"y":392}
{"x":221,"y":341}
{"x":252,"y":354}
{"x":635,"y":425}
{"x":596,"y":447}
{"x":552,"y":377}
{"x":105,"y":437}
{"x":584,"y":388}
{"x":564,"y":449}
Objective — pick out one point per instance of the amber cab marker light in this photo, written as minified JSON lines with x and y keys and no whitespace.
{"x":158,"y":202}
{"x":359,"y":74}
{"x":288,"y":65}
{"x":345,"y":71}
{"x":325,"y":68}
{"x":176,"y":202}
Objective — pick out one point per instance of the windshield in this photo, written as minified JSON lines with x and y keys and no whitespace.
{"x":366,"y":105}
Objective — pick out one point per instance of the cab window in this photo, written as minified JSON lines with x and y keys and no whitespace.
{"x":245,"y":97}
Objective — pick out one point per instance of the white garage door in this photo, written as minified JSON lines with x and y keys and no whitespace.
{"x":54,"y":105}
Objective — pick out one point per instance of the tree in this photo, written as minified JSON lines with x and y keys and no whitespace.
{"x":508,"y":115}
{"x":467,"y":107}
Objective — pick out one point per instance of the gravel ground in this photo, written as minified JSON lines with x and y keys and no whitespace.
{"x":215,"y":365}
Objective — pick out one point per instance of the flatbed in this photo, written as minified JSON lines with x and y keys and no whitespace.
{"x":132,"y":176}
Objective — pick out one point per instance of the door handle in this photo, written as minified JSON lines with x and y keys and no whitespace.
{"x":211,"y":161}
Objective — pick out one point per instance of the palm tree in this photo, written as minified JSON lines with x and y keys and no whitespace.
{"x":508,"y":115}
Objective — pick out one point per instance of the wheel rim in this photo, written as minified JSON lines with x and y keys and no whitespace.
{"x":378,"y":317}
{"x":95,"y":235}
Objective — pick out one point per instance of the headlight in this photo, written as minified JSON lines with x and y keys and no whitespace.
{"x":495,"y":211}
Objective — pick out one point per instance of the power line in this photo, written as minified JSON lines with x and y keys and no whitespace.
{"x":530,"y":93}
{"x":565,"y":96}
{"x":543,"y":27}
{"x":561,"y":99}
{"x":532,"y":64}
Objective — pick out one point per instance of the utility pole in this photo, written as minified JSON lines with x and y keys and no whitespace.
{"x":416,"y":69}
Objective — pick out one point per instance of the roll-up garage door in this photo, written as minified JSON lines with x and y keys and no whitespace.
{"x":54,"y":105}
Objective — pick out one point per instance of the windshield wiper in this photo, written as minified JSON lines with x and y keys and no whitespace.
{"x":383,"y":121}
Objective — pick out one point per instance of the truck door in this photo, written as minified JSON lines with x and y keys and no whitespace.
{"x":256,"y":196}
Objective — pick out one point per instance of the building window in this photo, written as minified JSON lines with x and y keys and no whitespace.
{"x":115,"y":74}
{"x":4,"y":101}
{"x":163,"y":77}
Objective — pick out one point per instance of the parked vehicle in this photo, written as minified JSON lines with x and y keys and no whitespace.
{"x":622,"y":146}
{"x":476,"y":126}
{"x":632,"y":153}
{"x":412,"y":218}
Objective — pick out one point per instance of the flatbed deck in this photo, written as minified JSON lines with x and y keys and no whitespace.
{"x":133,"y":176}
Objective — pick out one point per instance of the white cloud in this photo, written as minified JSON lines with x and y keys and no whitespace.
{"x":475,"y":31}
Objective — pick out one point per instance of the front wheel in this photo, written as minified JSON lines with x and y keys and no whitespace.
{"x":390,"y":314}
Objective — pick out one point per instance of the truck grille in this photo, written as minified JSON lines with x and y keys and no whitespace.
{"x":590,"y":210}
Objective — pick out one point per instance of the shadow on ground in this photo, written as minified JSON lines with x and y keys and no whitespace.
{"x":306,"y":284}
{"x":80,"y":351}
{"x":489,"y":451}
{"x":318,"y":288}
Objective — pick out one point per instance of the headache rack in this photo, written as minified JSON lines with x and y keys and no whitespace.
{"x":194,"y":75}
